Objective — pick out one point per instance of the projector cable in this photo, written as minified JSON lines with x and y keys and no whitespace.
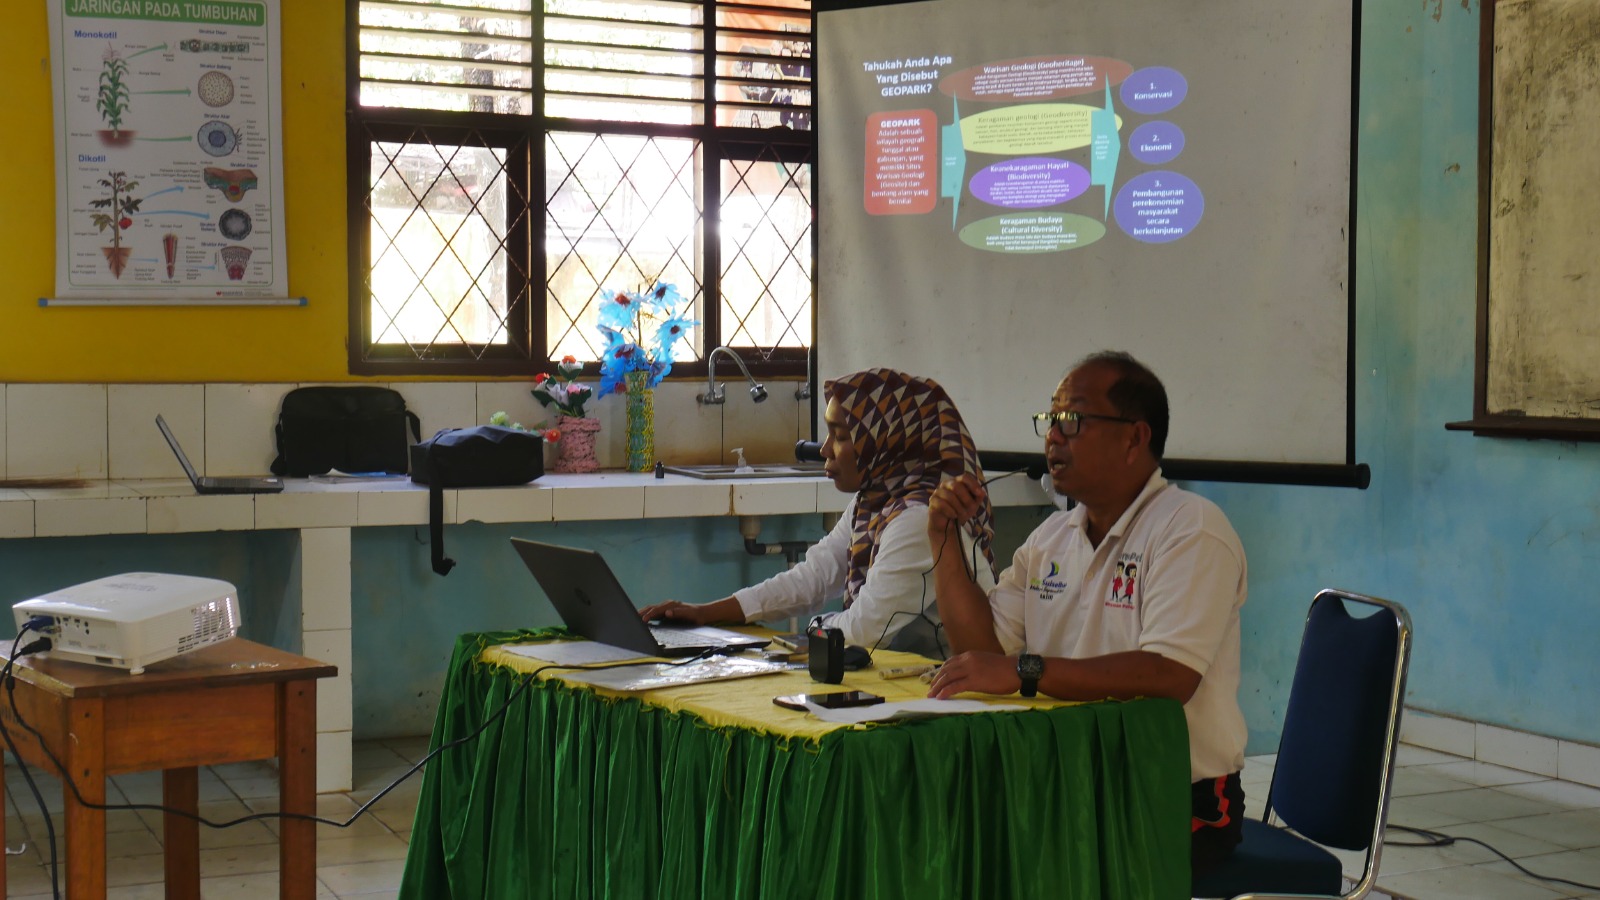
{"x":66,"y":778}
{"x":9,"y":680}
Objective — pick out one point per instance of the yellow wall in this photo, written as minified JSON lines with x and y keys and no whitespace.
{"x":179,"y":345}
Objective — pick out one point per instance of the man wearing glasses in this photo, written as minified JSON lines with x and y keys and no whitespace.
{"x":1135,"y":593}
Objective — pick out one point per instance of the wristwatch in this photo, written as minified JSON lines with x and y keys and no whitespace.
{"x":1030,"y":668}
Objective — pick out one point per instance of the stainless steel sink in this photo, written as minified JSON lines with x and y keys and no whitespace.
{"x":767,"y":470}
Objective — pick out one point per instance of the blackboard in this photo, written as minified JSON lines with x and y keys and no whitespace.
{"x":1538,"y":374}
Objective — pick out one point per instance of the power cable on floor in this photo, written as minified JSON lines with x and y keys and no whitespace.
{"x":1440,"y":839}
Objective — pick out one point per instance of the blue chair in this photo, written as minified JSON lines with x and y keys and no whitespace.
{"x":1335,"y":762}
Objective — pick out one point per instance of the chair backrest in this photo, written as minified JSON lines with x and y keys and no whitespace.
{"x":1331,"y":779}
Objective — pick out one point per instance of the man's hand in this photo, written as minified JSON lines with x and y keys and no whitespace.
{"x":722,"y":611}
{"x":984,"y":673}
{"x":674,"y":611}
{"x":956,"y":501}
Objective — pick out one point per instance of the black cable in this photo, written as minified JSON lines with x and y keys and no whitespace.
{"x":1440,"y":839}
{"x":532,"y":678}
{"x":971,"y":571}
{"x":49,"y":824}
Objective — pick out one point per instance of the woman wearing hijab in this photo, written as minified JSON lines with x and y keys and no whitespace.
{"x":892,"y":439}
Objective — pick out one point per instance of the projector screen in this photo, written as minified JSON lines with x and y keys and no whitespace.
{"x":1005,"y":186}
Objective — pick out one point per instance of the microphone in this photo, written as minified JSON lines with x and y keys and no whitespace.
{"x":808,"y":451}
{"x":1059,"y":501}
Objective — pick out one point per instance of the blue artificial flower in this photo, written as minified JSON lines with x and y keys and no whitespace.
{"x":624,"y":319}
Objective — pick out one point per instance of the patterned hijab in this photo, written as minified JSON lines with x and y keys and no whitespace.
{"x":908,"y":438}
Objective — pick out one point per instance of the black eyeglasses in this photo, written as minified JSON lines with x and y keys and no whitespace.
{"x":1069,"y":423}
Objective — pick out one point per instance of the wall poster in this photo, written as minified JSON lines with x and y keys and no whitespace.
{"x":169,"y":164}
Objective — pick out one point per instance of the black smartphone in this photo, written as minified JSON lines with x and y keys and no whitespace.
{"x":835,"y":700}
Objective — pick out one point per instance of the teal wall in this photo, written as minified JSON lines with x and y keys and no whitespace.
{"x":1491,"y":543}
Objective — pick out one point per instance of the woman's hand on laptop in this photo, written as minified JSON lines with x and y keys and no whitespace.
{"x":724,"y":611}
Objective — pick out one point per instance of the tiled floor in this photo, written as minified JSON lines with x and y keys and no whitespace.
{"x":241,"y":863}
{"x":1549,"y":826}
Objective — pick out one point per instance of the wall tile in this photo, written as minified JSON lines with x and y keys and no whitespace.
{"x":239,"y":428}
{"x":767,"y":431}
{"x":1578,"y":762}
{"x":16,"y":515}
{"x":56,"y":431}
{"x":83,"y":516}
{"x":325,"y":580}
{"x":334,"y":711}
{"x":192,"y":512}
{"x":137,"y":449}
{"x":441,"y":404}
{"x":508,"y":504}
{"x":1517,"y":749}
{"x":333,"y":760}
{"x":1442,"y":733}
{"x":705,"y":498}
{"x":774,"y":496}
{"x":830,"y":498}
{"x":397,"y":507}
{"x":688,"y":432}
{"x":305,"y":509}
{"x":621,"y":502}
{"x":512,"y":398}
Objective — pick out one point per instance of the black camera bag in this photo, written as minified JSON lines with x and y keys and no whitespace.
{"x":360,"y":428}
{"x":482,"y":456}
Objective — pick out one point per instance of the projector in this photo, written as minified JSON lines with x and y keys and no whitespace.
{"x":130,"y":621}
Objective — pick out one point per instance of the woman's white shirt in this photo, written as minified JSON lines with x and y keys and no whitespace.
{"x":899,"y":586}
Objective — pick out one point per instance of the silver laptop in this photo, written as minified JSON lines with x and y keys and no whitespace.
{"x":593,"y":604}
{"x":206,"y":484}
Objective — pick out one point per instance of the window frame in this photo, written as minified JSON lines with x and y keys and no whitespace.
{"x":527,"y":324}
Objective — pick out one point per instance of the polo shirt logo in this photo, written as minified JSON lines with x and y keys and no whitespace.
{"x":1050,"y":586}
{"x":1126,"y":580}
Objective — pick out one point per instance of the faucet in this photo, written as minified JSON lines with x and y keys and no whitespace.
{"x":714,"y":394}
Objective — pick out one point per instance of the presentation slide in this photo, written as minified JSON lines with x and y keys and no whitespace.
{"x":1006,"y":186}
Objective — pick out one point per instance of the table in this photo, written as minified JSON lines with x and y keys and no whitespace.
{"x":228,"y":702}
{"x":710,"y":791}
{"x":327,"y":522}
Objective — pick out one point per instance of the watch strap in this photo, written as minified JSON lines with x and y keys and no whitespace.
{"x":1030,"y":667}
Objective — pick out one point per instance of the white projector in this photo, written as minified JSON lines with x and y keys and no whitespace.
{"x":130,"y":621}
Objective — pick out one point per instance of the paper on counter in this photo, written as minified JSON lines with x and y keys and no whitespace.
{"x":650,"y":676}
{"x":906,"y":709}
{"x":574,"y":653}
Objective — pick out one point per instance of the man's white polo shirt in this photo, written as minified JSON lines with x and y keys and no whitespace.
{"x":1169,"y":578}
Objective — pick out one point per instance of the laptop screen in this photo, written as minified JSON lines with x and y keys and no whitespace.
{"x":172,"y":442}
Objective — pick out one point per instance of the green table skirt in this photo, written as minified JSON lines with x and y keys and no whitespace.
{"x":575,"y":795}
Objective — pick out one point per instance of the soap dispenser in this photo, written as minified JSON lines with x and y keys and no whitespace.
{"x":743,"y":466}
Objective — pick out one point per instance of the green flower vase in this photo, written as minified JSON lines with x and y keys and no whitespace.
{"x":641,"y":422}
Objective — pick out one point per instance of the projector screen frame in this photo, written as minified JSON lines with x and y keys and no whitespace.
{"x":1348,"y":474}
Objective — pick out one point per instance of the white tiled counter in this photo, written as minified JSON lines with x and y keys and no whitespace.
{"x":322,"y":515}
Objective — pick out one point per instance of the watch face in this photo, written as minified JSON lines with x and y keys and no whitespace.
{"x":1030,"y":666}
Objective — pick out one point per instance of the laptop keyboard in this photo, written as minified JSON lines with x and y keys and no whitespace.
{"x":228,"y":482}
{"x":677,"y":637}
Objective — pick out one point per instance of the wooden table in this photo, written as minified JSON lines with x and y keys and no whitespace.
{"x":229,"y":702}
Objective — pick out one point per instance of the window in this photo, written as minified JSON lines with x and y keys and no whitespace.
{"x":510,"y":161}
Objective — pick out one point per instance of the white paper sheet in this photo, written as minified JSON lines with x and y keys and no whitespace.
{"x":651,"y":676}
{"x":906,"y":709}
{"x":574,"y":653}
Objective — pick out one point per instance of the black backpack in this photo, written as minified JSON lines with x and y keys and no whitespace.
{"x":353,"y":429}
{"x":483,"y":456}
